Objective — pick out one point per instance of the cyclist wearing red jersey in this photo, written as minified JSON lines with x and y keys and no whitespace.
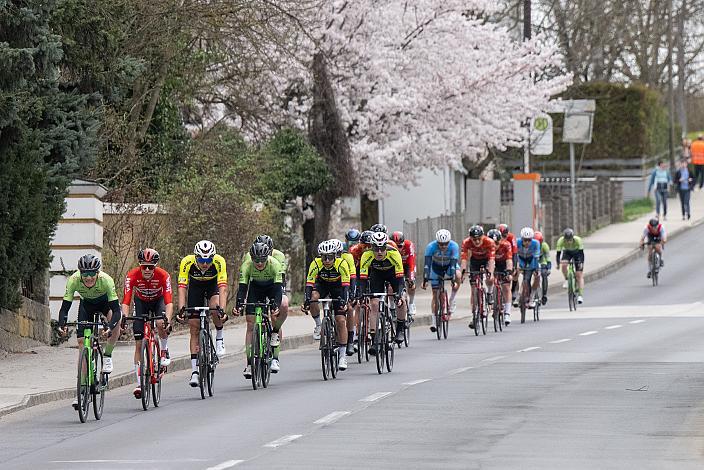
{"x":506,"y":234}
{"x":504,"y":264}
{"x":478,"y":251}
{"x":408,"y":254}
{"x":151,"y":287}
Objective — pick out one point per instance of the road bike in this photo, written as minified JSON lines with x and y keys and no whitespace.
{"x":328,"y":340}
{"x":384,"y":337}
{"x":150,"y":369}
{"x":407,"y":324}
{"x":655,"y":263}
{"x":442,"y":313}
{"x":571,"y":285}
{"x":527,"y":293}
{"x":498,"y":316}
{"x":363,"y":341}
{"x":537,"y":301}
{"x":480,"y":312}
{"x":207,"y":358}
{"x":91,"y":382}
{"x":262,"y":351}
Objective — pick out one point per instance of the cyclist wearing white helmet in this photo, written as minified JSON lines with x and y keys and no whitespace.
{"x":343,"y":253}
{"x":329,"y":277}
{"x":442,"y":262}
{"x":203,"y":275}
{"x":529,"y":260}
{"x":381,"y":265}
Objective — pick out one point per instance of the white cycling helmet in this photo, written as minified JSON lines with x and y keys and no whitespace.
{"x":379,"y":239}
{"x":339,"y":246}
{"x":204,"y":249}
{"x":443,"y":236}
{"x":527,"y":233}
{"x":327,"y":248}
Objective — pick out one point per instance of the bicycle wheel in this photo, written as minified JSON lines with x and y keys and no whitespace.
{"x":407,"y":331}
{"x":380,"y":343}
{"x":210,"y":376}
{"x":324,"y":350}
{"x":360,"y":335}
{"x":157,"y":375}
{"x":495,"y":317}
{"x":536,"y":310}
{"x":390,"y":351}
{"x":656,"y":267}
{"x":444,"y":316}
{"x":256,"y":338}
{"x":522,"y":301}
{"x":144,"y":375}
{"x":83,"y":386}
{"x":484,"y":312}
{"x":99,"y":383}
{"x":266,"y":358}
{"x":202,"y":363}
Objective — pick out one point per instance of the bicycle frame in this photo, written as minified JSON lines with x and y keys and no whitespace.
{"x":261,"y":351}
{"x":206,"y":372}
{"x":328,"y":339}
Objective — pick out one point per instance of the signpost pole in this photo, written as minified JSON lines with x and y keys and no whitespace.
{"x":573,"y":189}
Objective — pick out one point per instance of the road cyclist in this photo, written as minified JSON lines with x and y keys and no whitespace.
{"x":503,"y":259}
{"x":570,"y":247}
{"x":655,"y":236}
{"x":442,"y":260}
{"x":545,"y":266}
{"x":407,"y":250}
{"x":478,"y":252}
{"x":529,"y":265}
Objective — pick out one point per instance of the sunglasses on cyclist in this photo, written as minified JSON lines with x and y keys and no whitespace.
{"x":204,"y":260}
{"x":260,"y":260}
{"x":89,"y":273}
{"x":148,"y":267}
{"x":327,"y":257}
{"x":378,"y":249}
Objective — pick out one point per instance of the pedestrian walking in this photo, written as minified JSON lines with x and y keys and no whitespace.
{"x":661,"y":179}
{"x":684,"y":183}
{"x":686,"y":149}
{"x":697,"y":152}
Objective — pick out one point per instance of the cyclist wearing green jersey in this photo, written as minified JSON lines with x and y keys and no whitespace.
{"x":261,"y":278}
{"x":570,"y":247}
{"x":545,"y":265}
{"x":98,"y":296}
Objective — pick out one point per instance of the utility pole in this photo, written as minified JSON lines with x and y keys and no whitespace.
{"x":670,"y":89}
{"x":526,"y":36}
{"x":681,"y":76}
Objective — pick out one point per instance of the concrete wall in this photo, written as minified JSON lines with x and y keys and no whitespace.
{"x":26,"y":328}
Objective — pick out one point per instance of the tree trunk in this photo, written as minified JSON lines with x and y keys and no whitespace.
{"x":369,"y":211}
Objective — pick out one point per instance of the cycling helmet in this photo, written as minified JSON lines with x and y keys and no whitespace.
{"x":380,"y":239}
{"x":89,"y":263}
{"x":503,"y":229}
{"x":527,"y":233}
{"x":204,"y":249}
{"x":443,"y":236}
{"x":148,"y":256}
{"x":476,"y":231}
{"x":266,"y":239}
{"x":379,"y":228}
{"x":259,"y":250}
{"x":352,"y":235}
{"x":398,"y":238}
{"x":494,"y":235}
{"x":339,"y":246}
{"x":654,"y":222}
{"x":366,"y":237}
{"x":568,"y":234}
{"x":538,"y":236}
{"x":328,"y":247}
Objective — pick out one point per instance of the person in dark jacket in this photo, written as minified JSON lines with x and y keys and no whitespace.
{"x":685,"y":184}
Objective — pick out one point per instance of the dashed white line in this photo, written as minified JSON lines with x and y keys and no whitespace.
{"x":416,"y":382}
{"x":613,"y":327}
{"x":226,"y":464}
{"x":587,"y":333}
{"x":283,"y":440}
{"x":563,"y":340}
{"x":495,"y":358}
{"x":635,"y":322}
{"x":376,"y":396}
{"x":460,"y":370}
{"x":332,"y":417}
{"x":533,"y":348}
{"x":128,"y":461}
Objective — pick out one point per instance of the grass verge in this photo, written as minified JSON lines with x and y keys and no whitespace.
{"x":636,"y":208}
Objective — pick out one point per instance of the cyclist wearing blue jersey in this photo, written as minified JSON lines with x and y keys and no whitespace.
{"x":529,"y":251}
{"x":442,"y":259}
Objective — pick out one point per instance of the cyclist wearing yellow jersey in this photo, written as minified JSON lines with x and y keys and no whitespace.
{"x":204,"y":276}
{"x":329,"y":277}
{"x":352,"y":312}
{"x":380,"y":265}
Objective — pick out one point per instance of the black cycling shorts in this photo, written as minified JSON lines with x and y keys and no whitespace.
{"x":200,"y":292}
{"x":328,"y":290}
{"x":143,"y":309}
{"x":500,"y":266}
{"x":378,"y":280}
{"x":88,"y":310}
{"x":260,"y":294}
{"x":476,"y":264}
{"x":576,"y":256}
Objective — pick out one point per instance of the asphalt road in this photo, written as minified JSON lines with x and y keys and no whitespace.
{"x":619,"y":384}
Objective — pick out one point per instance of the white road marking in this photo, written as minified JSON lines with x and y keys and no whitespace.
{"x":128,"y":462}
{"x":495,"y":358}
{"x":533,"y":348}
{"x":613,"y":327}
{"x":332,"y":417}
{"x":226,"y":464}
{"x":460,"y":370}
{"x":635,"y":322}
{"x":283,"y":440}
{"x":563,"y":340}
{"x":416,"y":382}
{"x":376,"y":396}
{"x":587,"y":333}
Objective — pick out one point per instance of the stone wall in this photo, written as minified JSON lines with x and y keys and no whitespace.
{"x":26,"y":328}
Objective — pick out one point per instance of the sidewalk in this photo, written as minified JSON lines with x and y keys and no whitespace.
{"x":47,"y":373}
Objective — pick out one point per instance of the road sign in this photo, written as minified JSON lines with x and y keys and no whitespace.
{"x":541,"y":135}
{"x":577,"y":128}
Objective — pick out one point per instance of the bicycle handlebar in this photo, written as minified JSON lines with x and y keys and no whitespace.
{"x":102,"y":324}
{"x":145,"y":319}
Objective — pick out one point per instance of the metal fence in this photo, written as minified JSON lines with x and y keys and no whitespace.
{"x":422,"y":231}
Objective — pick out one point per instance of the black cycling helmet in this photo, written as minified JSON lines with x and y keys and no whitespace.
{"x":568,"y":234}
{"x":352,"y":235}
{"x":148,"y":256}
{"x":476,"y":231}
{"x":266,"y":239}
{"x":259,"y":250}
{"x":366,"y":237}
{"x":379,"y":228}
{"x":89,"y":263}
{"x":494,"y":234}
{"x":654,"y":222}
